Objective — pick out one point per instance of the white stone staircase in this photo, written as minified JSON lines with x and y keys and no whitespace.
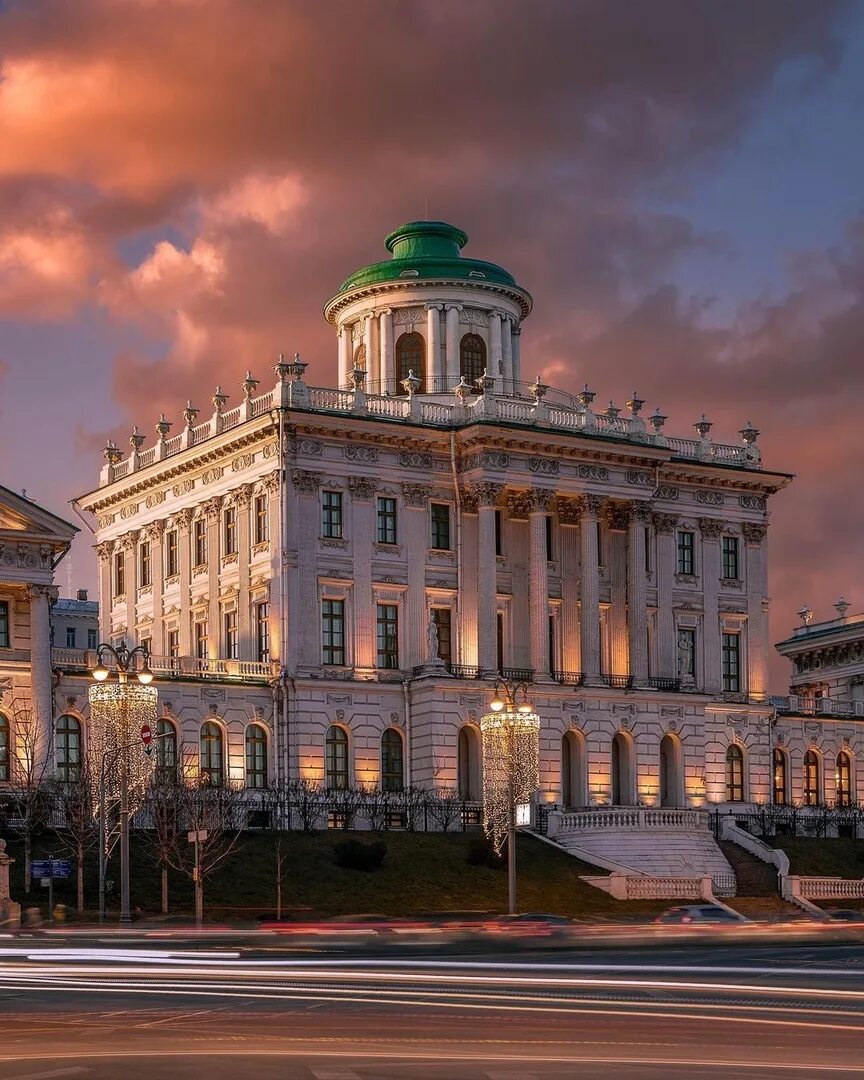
{"x":655,"y":842}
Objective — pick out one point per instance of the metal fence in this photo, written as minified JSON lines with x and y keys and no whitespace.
{"x":803,"y":821}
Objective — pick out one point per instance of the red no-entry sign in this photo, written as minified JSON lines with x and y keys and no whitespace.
{"x":146,"y":735}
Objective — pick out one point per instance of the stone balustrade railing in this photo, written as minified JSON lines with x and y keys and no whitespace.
{"x":549,"y":409}
{"x":818,"y":706}
{"x":179,"y":666}
{"x":826,"y":888}
{"x":624,"y":886}
{"x":624,"y":818}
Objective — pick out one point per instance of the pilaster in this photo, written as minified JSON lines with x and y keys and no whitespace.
{"x":246,"y":637}
{"x":213,"y":509}
{"x":568,"y":523}
{"x":618,"y":516}
{"x":40,"y":668}
{"x":388,"y":362}
{"x":711,"y":529}
{"x":155,"y":533}
{"x":591,"y":507}
{"x":451,"y":341}
{"x":667,"y":656}
{"x":306,"y":616}
{"x":487,"y":495}
{"x":538,"y":582}
{"x":184,"y":547}
{"x":757,"y":611}
{"x":637,"y":591}
{"x":435,"y":362}
{"x":414,"y":499}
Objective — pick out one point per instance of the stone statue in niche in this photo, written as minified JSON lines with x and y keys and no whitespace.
{"x":685,"y":654}
{"x":432,"y":640}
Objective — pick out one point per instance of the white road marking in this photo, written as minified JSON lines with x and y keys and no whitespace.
{"x":76,"y":1070}
{"x":334,"y":1074}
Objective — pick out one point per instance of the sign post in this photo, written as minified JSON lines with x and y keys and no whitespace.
{"x":147,"y":738}
{"x":47,"y":870}
{"x":196,"y":837}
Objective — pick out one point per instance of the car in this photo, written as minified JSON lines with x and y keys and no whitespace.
{"x":846,"y":915}
{"x":698,"y":913}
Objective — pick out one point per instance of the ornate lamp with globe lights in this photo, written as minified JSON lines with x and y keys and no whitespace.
{"x":119,"y":710}
{"x":511,"y":770}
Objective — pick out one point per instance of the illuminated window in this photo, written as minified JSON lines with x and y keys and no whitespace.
{"x":734,"y":774}
{"x":811,"y":779}
{"x":472,"y":357}
{"x":262,"y":523}
{"x":5,"y":636}
{"x":262,"y":630}
{"x":732,"y":663}
{"x":391,"y":761}
{"x":232,"y":644}
{"x":843,"y":778}
{"x":68,"y":749}
{"x":4,"y":748}
{"x":211,"y":767}
{"x":411,"y":356}
{"x":333,"y":631}
{"x":229,"y":531}
{"x":336,"y":758}
{"x":388,"y":636}
{"x":781,"y":796}
{"x":199,"y":537}
{"x":440,"y":521}
{"x":144,"y":565}
{"x":442,"y":618}
{"x":256,"y":757}
{"x":166,"y":750}
{"x":119,"y":573}
{"x":172,"y":565}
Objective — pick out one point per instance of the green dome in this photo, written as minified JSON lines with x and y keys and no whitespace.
{"x":427,"y":249}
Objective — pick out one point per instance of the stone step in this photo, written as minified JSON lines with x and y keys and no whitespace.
{"x":652,"y":851}
{"x":754,"y":877}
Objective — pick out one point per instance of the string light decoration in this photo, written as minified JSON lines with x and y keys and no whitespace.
{"x":511,"y":761}
{"x":118,"y":710}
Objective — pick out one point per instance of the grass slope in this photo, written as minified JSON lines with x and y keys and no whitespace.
{"x":818,"y":857}
{"x":423,"y":872}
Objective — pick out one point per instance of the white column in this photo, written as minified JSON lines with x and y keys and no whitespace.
{"x":346,"y":360}
{"x":184,"y":547}
{"x":637,"y":592}
{"x":757,"y":613}
{"x":307,"y":619}
{"x":618,"y":520}
{"x":155,"y":533}
{"x":373,"y":368}
{"x":214,"y":565}
{"x":105,"y":553}
{"x":711,"y":529}
{"x":495,"y":350}
{"x":516,"y":359}
{"x":451,"y":341}
{"x":467,"y":601}
{"x":245,"y":633}
{"x":590,"y":614}
{"x":538,"y":583}
{"x":362,"y":535}
{"x":507,"y":355}
{"x":434,"y":365}
{"x":40,"y":669}
{"x":667,"y":652}
{"x":129,"y":543}
{"x":385,"y":333}
{"x":416,"y":539}
{"x":487,"y":577}
{"x":568,"y":520}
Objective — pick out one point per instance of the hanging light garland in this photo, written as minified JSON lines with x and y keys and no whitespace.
{"x":118,"y":710}
{"x":511,"y":765}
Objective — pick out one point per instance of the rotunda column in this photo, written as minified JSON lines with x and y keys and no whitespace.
{"x":346,"y":361}
{"x":385,"y":333}
{"x":373,"y":367}
{"x":434,"y":366}
{"x":452,"y":341}
{"x":507,"y":355}
{"x":516,"y":362}
{"x":496,"y":350}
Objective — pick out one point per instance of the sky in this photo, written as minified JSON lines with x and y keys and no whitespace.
{"x":679,"y":183}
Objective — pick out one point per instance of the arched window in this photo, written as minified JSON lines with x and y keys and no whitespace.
{"x":256,"y":757}
{"x":572,"y":769}
{"x":472,"y":357}
{"x":468,"y":768}
{"x":68,"y":749}
{"x":166,"y":750}
{"x":212,"y":759}
{"x":734,"y":774}
{"x":843,"y":779}
{"x":5,"y":770}
{"x":781,"y":792}
{"x":811,"y":778}
{"x":360,"y":357}
{"x":410,"y":356}
{"x":622,"y":770}
{"x":392,"y":774}
{"x":336,"y":758}
{"x":671,"y":772}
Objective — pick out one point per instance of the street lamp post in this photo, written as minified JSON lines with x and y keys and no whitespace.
{"x":511,"y":741}
{"x":114,"y":708}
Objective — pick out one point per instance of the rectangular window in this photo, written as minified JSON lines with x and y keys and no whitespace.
{"x":200,"y":541}
{"x":92,"y":637}
{"x":146,"y":643}
{"x":333,"y":632}
{"x":229,"y":531}
{"x":499,"y":640}
{"x":730,"y":557}
{"x":686,"y":542}
{"x":732,"y":663}
{"x":780,"y":795}
{"x":262,"y":520}
{"x":498,"y":548}
{"x":145,"y":577}
{"x":550,"y":536}
{"x":5,"y":635}
{"x":70,"y":637}
{"x":119,"y":573}
{"x":686,"y":653}
{"x":440,"y":518}
{"x":262,"y":631}
{"x":388,"y":636}
{"x":331,"y":515}
{"x":172,"y":563}
{"x":231,"y":640}
{"x":201,"y":640}
{"x":442,"y":618}
{"x":173,"y":642}
{"x":386,"y":521}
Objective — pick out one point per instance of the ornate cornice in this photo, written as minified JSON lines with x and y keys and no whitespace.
{"x":665,"y":523}
{"x":711,"y":528}
{"x":416,"y":494}
{"x":487,"y":494}
{"x":753,"y":534}
{"x":306,"y":482}
{"x":361,"y":487}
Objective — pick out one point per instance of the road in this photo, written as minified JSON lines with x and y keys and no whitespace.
{"x":102,"y":1010}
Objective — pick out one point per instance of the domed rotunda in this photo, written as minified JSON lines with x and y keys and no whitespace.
{"x":428,"y":318}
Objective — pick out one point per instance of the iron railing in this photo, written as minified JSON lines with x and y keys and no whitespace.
{"x":659,"y":682}
{"x":569,"y":678}
{"x":618,"y":682}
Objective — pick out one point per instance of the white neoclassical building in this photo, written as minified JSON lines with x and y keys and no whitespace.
{"x":344,"y":570}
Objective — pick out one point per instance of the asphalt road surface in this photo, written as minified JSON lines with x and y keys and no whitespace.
{"x":124,"y":1010}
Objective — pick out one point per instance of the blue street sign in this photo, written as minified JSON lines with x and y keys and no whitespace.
{"x":51,"y":868}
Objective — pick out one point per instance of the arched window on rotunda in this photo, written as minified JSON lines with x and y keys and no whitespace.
{"x":410,"y":356}
{"x":472,"y":357}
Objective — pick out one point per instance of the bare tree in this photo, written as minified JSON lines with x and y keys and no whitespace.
{"x":444,"y":806}
{"x":73,"y":823}
{"x":345,"y":802}
{"x":30,"y":800}
{"x":161,"y":812}
{"x":414,"y":801}
{"x":306,"y":796}
{"x":217,"y":815}
{"x":376,"y":805}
